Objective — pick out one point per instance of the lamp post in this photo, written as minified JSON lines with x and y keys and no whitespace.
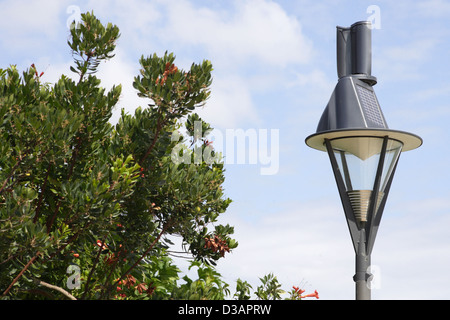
{"x":363,"y":151}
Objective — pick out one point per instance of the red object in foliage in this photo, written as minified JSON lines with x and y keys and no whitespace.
{"x":311,"y":295}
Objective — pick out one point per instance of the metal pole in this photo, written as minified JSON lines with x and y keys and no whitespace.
{"x":362,"y":277}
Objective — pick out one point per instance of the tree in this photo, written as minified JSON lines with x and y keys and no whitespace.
{"x":87,"y":208}
{"x":77,"y":192}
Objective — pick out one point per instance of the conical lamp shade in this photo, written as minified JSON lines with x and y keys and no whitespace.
{"x":359,"y":159}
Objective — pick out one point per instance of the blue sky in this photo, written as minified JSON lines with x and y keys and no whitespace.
{"x":275,"y":69}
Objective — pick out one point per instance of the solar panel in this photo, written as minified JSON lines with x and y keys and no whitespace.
{"x":370,"y":107}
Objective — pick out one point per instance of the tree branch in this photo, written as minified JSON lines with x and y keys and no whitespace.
{"x":53,"y":287}
{"x":21,"y":273}
{"x":86,"y":65}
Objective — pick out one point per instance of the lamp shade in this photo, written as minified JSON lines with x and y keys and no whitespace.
{"x":360,"y":161}
{"x":353,"y":108}
{"x":353,"y":111}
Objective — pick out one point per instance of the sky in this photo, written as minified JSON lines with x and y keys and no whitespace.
{"x":274,"y":71}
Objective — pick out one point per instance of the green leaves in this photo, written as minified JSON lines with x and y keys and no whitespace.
{"x":242,"y":290}
{"x":91,"y":42}
{"x":208,"y":286}
{"x":171,"y":90}
{"x":270,"y":288}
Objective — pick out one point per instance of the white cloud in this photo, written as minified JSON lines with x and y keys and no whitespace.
{"x":316,"y":79}
{"x":136,"y":19}
{"x":37,"y":32}
{"x":256,"y":29}
{"x":230,"y":103}
{"x":237,"y":40}
{"x":27,"y":21}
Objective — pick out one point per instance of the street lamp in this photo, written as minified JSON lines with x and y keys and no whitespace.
{"x":362,"y":149}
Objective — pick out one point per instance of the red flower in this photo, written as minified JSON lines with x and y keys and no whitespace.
{"x":311,"y":295}
{"x":298,"y":290}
